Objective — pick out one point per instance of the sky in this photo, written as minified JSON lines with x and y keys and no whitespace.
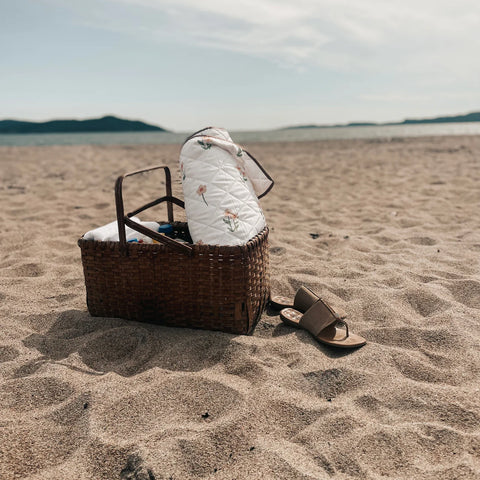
{"x":243,"y":64}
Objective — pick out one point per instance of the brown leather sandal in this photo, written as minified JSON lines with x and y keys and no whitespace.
{"x":321,"y":320}
{"x":303,"y":300}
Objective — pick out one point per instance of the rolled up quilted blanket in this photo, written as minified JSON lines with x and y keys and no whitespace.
{"x":221,"y":186}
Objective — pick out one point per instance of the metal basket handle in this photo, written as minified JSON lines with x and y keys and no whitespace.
{"x":123,"y":219}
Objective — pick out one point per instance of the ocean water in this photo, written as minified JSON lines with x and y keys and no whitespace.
{"x":292,"y":135}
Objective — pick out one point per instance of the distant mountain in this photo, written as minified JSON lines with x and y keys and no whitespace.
{"x":470,"y":117}
{"x":104,"y":124}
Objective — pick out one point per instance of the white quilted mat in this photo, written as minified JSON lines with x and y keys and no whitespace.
{"x":221,"y":187}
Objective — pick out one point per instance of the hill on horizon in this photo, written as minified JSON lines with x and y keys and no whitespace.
{"x":470,"y":117}
{"x":109,"y":123}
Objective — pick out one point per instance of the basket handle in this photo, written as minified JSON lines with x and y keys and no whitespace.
{"x":123,"y":219}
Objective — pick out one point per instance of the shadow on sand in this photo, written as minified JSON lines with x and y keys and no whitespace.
{"x":124,"y":347}
{"x":128,"y":348}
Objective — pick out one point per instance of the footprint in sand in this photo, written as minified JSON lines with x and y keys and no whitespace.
{"x":369,"y":403}
{"x":105,"y":461}
{"x":423,"y":406}
{"x":425,"y":303}
{"x":466,"y":292}
{"x":136,"y":469}
{"x":169,"y":405}
{"x":422,"y":372}
{"x":230,"y":442}
{"x":25,"y":394}
{"x":25,"y":270}
{"x":333,"y":382}
{"x":298,"y":418}
{"x":338,"y":426}
{"x":244,"y":367}
{"x":27,"y":450}
{"x":397,"y":450}
{"x":422,"y":241}
{"x":438,"y":360}
{"x":122,"y":349}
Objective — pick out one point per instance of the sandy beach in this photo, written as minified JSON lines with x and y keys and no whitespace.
{"x":388,"y":230}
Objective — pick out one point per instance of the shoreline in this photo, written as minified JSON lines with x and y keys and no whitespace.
{"x":246,"y":137}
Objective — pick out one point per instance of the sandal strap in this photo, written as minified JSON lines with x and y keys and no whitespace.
{"x":345,"y":324}
{"x":337,"y":312}
{"x":304,"y":299}
{"x":319,"y":316}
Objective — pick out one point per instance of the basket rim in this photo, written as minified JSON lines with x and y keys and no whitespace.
{"x":197,"y":248}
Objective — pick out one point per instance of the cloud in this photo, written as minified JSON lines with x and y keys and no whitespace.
{"x":337,"y":34}
{"x":425,"y":40}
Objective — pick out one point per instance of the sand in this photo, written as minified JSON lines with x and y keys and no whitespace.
{"x":397,"y":242}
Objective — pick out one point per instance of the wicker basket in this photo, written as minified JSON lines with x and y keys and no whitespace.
{"x":172,"y":283}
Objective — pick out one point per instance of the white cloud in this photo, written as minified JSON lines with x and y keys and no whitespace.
{"x":401,"y":52}
{"x":336,"y":34}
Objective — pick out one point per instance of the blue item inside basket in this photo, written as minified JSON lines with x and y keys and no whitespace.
{"x":165,"y":229}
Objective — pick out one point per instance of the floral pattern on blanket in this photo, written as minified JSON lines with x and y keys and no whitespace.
{"x":204,"y":144}
{"x":241,"y":168}
{"x":201,"y":190}
{"x":231,"y":219}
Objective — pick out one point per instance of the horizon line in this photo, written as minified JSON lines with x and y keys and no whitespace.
{"x":285,"y":127}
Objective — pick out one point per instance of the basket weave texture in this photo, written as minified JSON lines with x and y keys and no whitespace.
{"x":214,"y":287}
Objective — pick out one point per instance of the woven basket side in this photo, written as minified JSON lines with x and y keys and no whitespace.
{"x":217,"y":288}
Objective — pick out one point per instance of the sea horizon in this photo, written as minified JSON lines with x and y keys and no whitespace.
{"x":366,"y":132}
